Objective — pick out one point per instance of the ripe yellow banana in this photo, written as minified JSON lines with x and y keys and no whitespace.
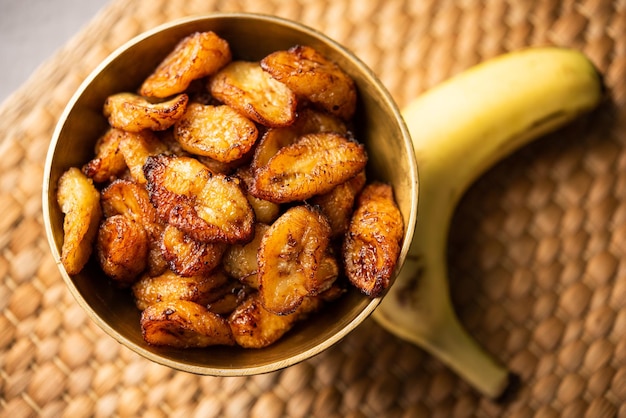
{"x":459,"y":129}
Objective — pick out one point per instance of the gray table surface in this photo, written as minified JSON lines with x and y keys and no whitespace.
{"x":32,"y":30}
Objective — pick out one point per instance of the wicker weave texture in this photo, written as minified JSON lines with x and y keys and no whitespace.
{"x":536,"y":249}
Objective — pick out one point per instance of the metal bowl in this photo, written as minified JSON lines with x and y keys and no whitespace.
{"x":378,"y":124}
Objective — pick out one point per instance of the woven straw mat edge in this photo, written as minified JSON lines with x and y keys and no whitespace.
{"x":535,"y":254}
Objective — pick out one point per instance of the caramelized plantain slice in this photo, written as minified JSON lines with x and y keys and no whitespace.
{"x":188,"y":257}
{"x":221,"y":167}
{"x":289,"y":256}
{"x":136,"y":148}
{"x":157,"y":264}
{"x":253,"y":326}
{"x":372,"y":243}
{"x":133,"y":113}
{"x":170,"y":143}
{"x":308,"y":121}
{"x":79,"y":200}
{"x":264,"y":211}
{"x":184,"y":324}
{"x":245,"y":87}
{"x":326,"y":275}
{"x":231,"y":295}
{"x":310,"y":74}
{"x":108,"y":162}
{"x":218,"y":132}
{"x":169,"y":286}
{"x":125,"y":197}
{"x":240,"y":261}
{"x":122,"y":248}
{"x":209,"y":207}
{"x":338,"y":204}
{"x":313,"y":165}
{"x":312,"y":121}
{"x":175,"y":148}
{"x":198,"y":55}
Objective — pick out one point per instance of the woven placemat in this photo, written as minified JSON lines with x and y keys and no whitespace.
{"x":536,"y":249}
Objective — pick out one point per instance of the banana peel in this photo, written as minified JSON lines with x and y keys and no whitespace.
{"x":461,"y":128}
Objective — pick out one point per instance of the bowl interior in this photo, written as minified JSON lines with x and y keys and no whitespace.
{"x":378,"y":124}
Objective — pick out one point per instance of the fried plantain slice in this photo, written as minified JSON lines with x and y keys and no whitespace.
{"x":312,"y":121}
{"x":253,"y":326}
{"x":218,"y":132}
{"x":188,"y":257}
{"x":326,"y":275}
{"x":313,"y":165}
{"x":175,"y":148}
{"x":245,"y":87}
{"x":372,"y":243}
{"x":209,"y":207}
{"x":240,"y":261}
{"x":264,"y":211}
{"x":310,"y":74}
{"x":338,"y":204}
{"x":308,"y":121}
{"x":170,"y":286}
{"x":133,"y":113}
{"x":170,"y":143}
{"x":220,"y":167}
{"x":231,"y":295}
{"x":184,"y":324}
{"x":289,"y":256}
{"x":126,"y":197}
{"x":157,"y":264}
{"x":197,"y":55}
{"x":108,"y":162}
{"x":122,"y":249}
{"x":136,"y":147}
{"x":79,"y":200}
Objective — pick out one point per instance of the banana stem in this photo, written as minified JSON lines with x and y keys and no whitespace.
{"x":454,"y":346}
